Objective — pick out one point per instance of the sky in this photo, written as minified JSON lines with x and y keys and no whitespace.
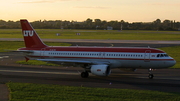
{"x":80,"y":10}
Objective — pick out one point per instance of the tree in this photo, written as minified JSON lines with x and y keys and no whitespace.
{"x":157,"y":24}
{"x":97,"y":23}
{"x":88,"y":23}
{"x":167,"y":24}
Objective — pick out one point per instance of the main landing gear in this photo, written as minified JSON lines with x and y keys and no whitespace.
{"x":85,"y":74}
{"x":150,"y":74}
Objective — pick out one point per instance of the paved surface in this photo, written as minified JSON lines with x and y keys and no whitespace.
{"x":4,"y":92}
{"x":166,"y":80}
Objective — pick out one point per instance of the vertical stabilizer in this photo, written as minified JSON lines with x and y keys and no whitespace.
{"x":31,"y":38}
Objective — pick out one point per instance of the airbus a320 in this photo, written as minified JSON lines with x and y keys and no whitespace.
{"x":96,"y":60}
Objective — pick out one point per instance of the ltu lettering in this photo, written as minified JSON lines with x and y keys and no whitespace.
{"x":28,"y":33}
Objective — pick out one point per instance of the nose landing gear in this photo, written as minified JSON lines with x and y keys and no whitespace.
{"x":150,"y":74}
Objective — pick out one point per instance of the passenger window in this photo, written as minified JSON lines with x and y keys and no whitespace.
{"x":158,"y":55}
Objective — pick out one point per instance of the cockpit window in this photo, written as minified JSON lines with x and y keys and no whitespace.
{"x":165,"y":55}
{"x":162,"y":55}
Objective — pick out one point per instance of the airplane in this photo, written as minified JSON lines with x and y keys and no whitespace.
{"x":96,"y":60}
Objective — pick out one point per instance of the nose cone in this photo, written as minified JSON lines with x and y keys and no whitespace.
{"x":171,"y":63}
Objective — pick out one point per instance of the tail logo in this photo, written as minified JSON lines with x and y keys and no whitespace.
{"x":28,"y":33}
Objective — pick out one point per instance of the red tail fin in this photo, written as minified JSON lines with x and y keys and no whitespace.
{"x":31,"y":38}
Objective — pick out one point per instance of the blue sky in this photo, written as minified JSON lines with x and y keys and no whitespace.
{"x":80,"y":10}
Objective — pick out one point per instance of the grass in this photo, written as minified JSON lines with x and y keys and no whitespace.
{"x":44,"y":92}
{"x":96,"y":34}
{"x":8,"y":45}
{"x":36,"y":62}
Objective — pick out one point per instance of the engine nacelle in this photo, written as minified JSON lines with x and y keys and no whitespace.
{"x":100,"y":70}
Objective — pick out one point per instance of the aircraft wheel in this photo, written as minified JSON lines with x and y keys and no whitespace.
{"x":84,"y":74}
{"x":151,"y":76}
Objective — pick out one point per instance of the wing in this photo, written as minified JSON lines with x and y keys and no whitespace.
{"x":23,"y":51}
{"x":58,"y":61}
{"x":20,"y":51}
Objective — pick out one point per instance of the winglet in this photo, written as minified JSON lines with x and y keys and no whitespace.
{"x":31,"y":38}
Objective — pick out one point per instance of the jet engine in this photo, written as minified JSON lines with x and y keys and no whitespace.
{"x":100,"y":70}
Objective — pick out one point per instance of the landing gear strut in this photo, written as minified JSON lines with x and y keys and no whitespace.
{"x":85,"y":74}
{"x":150,"y":74}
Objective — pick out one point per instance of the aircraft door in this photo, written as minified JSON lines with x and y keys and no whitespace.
{"x":42,"y":52}
{"x":147,"y":55}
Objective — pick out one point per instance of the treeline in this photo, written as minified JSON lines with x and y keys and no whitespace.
{"x":96,"y":24}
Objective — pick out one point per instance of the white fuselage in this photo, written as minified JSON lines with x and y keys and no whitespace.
{"x":115,"y":59}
